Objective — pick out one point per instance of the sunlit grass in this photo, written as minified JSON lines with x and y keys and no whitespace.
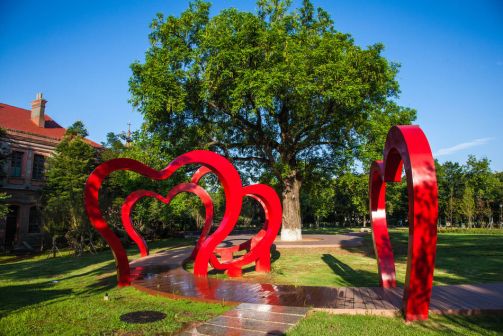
{"x":462,"y":258}
{"x":65,"y":296}
{"x":321,"y":324}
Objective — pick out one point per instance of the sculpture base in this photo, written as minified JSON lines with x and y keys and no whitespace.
{"x":291,"y":234}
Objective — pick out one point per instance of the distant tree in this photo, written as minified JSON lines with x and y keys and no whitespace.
{"x":467,"y":205}
{"x":451,"y":179}
{"x":66,"y":173}
{"x":77,"y":128}
{"x":351,"y":197}
{"x":485,"y":184}
{"x":318,"y":198}
{"x":279,"y":91}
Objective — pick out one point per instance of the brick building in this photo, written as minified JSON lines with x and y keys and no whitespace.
{"x":30,"y":137}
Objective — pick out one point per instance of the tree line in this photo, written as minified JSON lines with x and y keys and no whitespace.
{"x":470,"y":194}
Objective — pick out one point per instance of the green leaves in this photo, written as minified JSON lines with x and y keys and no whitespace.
{"x":280,"y":91}
{"x":66,"y":173}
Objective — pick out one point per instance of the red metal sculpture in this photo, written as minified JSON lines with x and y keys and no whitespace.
{"x":226,"y":254}
{"x":407,"y":146}
{"x":204,"y":251}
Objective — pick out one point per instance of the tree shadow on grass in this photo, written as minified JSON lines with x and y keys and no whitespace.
{"x":484,"y":324}
{"x":19,"y":296}
{"x":30,"y":269}
{"x":349,"y":276}
{"x":469,"y":258}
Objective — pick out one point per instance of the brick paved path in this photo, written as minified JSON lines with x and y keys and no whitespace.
{"x":163,"y":274}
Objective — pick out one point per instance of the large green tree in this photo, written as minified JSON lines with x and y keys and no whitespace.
{"x":280,"y":91}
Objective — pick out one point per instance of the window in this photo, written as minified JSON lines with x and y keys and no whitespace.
{"x":37,"y":172}
{"x":34,"y":220}
{"x":16,"y":164}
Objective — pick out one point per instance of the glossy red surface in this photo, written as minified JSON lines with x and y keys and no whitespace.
{"x":407,"y":147}
{"x":227,"y":253}
{"x":259,"y":249}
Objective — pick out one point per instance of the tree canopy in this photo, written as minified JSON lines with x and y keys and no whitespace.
{"x":280,"y":91}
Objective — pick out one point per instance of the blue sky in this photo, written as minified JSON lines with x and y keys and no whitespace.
{"x":78,"y":54}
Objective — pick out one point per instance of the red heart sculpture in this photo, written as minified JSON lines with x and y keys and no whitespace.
{"x":233,"y":190}
{"x":263,"y":263}
{"x":407,"y":146}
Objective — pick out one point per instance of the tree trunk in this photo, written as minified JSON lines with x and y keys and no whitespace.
{"x":291,"y":229}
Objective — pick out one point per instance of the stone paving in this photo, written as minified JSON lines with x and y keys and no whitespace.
{"x":251,"y":320}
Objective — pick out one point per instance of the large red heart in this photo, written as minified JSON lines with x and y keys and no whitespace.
{"x":233,"y":190}
{"x":407,"y":146}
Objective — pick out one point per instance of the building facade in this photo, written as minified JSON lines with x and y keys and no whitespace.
{"x":29,"y":137}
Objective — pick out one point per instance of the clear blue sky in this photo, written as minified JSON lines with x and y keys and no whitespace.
{"x":78,"y":54}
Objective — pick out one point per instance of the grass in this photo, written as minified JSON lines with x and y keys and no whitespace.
{"x":461,"y":258}
{"x":65,"y":296}
{"x":321,"y":324}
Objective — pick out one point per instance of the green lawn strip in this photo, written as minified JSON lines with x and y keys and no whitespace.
{"x":65,"y":296}
{"x":320,"y":323}
{"x":462,"y":258}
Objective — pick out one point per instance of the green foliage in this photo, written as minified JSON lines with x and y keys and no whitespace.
{"x":469,"y":193}
{"x":77,"y":129}
{"x":467,"y":205}
{"x":281,"y":91}
{"x":66,"y":173}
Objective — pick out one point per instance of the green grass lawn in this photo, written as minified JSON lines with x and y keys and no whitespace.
{"x":461,"y":259}
{"x":321,"y":324}
{"x":64,"y":296}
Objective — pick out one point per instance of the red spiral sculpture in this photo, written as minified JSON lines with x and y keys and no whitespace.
{"x":258,"y":248}
{"x":407,"y":147}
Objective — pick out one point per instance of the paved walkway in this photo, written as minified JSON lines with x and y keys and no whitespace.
{"x":309,"y":241}
{"x":163,"y":274}
{"x":251,"y":320}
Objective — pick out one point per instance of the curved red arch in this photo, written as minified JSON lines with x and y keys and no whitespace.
{"x":407,"y":147}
